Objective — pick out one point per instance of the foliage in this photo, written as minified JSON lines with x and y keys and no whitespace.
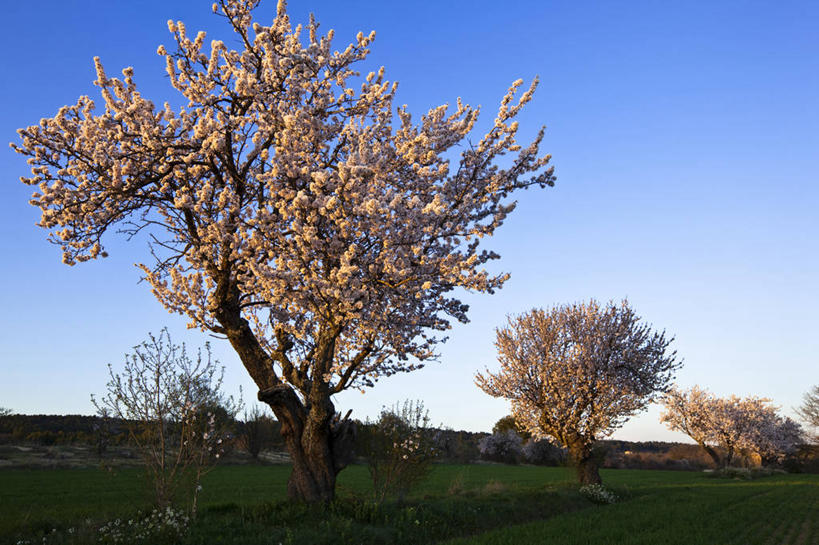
{"x":507,"y":423}
{"x":505,"y":447}
{"x":174,"y":412}
{"x":5,"y":412}
{"x":399,"y":449}
{"x":577,"y":372}
{"x":457,"y":446}
{"x":291,"y":208}
{"x":727,"y":427}
{"x":543,"y":452}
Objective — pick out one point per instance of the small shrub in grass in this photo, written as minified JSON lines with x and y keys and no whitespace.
{"x":399,"y":449}
{"x":175,"y":413}
{"x":597,"y":493}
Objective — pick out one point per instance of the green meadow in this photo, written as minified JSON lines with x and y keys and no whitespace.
{"x":456,"y":504}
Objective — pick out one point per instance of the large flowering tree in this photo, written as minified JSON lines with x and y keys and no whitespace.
{"x":290,"y":208}
{"x":726,"y":427}
{"x":577,"y":372}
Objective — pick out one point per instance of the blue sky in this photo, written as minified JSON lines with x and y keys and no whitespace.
{"x":684,"y":138}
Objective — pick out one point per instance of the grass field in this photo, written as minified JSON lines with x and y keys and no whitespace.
{"x":484,"y":504}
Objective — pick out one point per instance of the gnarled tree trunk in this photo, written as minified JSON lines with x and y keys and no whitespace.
{"x":320,"y":443}
{"x":585,"y":462}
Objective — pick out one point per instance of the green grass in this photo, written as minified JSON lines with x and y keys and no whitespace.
{"x":685,"y":509}
{"x":483,"y":504}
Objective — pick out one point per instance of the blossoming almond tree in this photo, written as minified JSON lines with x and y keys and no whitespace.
{"x":291,"y":209}
{"x":577,"y":372}
{"x":694,"y":412}
{"x":725,"y":427}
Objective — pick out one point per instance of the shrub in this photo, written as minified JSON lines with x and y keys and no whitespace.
{"x":399,"y":449}
{"x":504,"y":447}
{"x":174,"y":412}
{"x":543,"y":453}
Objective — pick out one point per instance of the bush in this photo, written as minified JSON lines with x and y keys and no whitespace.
{"x":543,"y":453}
{"x":174,"y":412}
{"x":399,"y":449}
{"x":504,"y":447}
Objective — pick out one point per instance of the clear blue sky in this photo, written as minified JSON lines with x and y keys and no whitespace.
{"x":684,"y":137}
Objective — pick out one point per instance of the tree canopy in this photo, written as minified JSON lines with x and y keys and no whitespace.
{"x":577,"y":372}
{"x":290,"y":206}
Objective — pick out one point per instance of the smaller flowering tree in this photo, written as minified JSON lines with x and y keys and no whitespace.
{"x":577,"y":372}
{"x":170,"y":405}
{"x":399,"y":449}
{"x":727,"y":427}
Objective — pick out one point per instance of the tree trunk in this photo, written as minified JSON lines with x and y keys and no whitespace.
{"x":320,"y":444}
{"x":729,"y":457}
{"x":585,"y":463}
{"x":713,"y":454}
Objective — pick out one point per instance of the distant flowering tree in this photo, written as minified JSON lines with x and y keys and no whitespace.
{"x":727,"y":427}
{"x":291,"y":209}
{"x":577,"y":372}
{"x":169,"y":403}
{"x":808,"y":411}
